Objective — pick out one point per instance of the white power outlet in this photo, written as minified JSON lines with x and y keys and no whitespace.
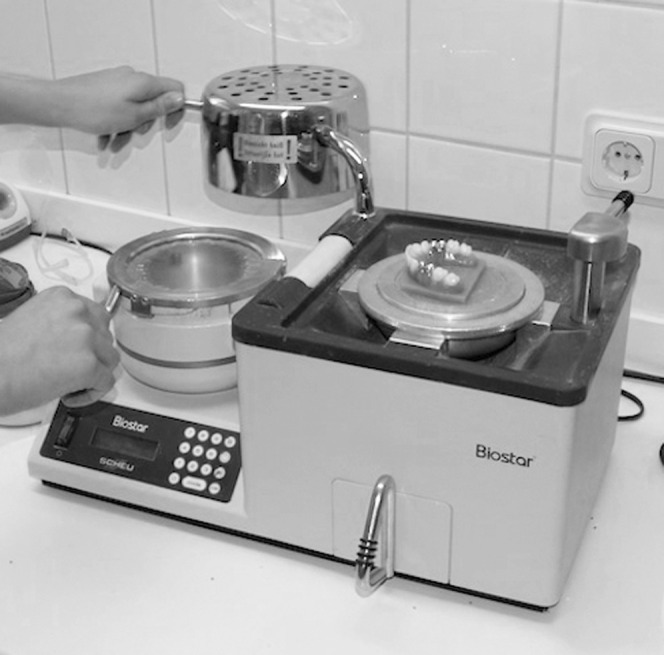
{"x":622,"y":153}
{"x":622,"y":160}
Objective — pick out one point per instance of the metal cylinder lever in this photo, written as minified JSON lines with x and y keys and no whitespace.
{"x":596,"y":239}
{"x":378,"y":538}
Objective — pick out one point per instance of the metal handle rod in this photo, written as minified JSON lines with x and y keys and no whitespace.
{"x":358,"y":166}
{"x":587,"y":292}
{"x":112,"y":299}
{"x":381,"y":516}
{"x":193,"y":104}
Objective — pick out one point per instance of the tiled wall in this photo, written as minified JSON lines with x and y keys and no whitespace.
{"x":477,"y":107}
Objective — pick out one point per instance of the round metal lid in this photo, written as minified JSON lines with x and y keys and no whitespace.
{"x":282,"y":85}
{"x":195,"y":267}
{"x":498,"y":296}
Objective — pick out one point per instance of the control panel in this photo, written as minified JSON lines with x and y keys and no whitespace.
{"x":184,"y":456}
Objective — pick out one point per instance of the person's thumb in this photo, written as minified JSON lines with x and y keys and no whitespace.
{"x":165,"y":104}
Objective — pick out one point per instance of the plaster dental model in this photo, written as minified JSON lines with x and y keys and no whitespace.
{"x":430,"y":262}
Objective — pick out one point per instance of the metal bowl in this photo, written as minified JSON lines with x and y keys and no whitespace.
{"x":179,"y":290}
{"x":482,"y":320}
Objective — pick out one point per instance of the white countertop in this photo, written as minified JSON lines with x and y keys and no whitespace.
{"x":84,"y":576}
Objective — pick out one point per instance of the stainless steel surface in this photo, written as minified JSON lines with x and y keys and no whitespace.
{"x":111,"y":302}
{"x":193,"y":104}
{"x":505,"y":296}
{"x":258,"y":134}
{"x":178,"y":290}
{"x":594,"y":240}
{"x":194,"y":267}
{"x":380,"y":517}
{"x":358,"y":164}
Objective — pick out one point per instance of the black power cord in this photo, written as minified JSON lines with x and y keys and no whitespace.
{"x":640,"y":407}
{"x":646,"y":377}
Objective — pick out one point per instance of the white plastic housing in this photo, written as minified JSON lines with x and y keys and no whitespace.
{"x":506,"y":528}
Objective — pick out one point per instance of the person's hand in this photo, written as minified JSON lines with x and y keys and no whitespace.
{"x":55,"y":344}
{"x":114,"y":102}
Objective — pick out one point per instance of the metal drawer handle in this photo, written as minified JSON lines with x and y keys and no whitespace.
{"x":368,"y":575}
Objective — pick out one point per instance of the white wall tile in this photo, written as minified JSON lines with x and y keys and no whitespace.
{"x":201,"y":39}
{"x":30,"y":156}
{"x":24,"y":48}
{"x":307,"y":228}
{"x":389,"y":166}
{"x":484,"y":71}
{"x":472,"y":182}
{"x":99,"y":34}
{"x":367,"y":39}
{"x":643,"y":3}
{"x":611,"y":59}
{"x":219,"y":37}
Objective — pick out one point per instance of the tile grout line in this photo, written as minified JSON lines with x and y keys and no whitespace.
{"x":643,"y":4}
{"x":554,"y":112}
{"x":61,"y":138}
{"x":164,"y":159}
{"x":281,"y":229}
{"x":407,"y":98}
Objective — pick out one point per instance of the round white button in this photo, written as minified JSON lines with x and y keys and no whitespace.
{"x":211,"y":453}
{"x":225,"y":457}
{"x":206,"y":469}
{"x":203,"y":435}
{"x":214,"y":488}
{"x":192,"y":467}
{"x":174,"y":478}
{"x":184,"y":447}
{"x":190,"y":432}
{"x":216,"y":439}
{"x":230,"y":442}
{"x":220,"y":472}
{"x":179,"y":462}
{"x":198,"y":451}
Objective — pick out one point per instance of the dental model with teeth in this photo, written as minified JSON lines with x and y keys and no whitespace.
{"x":427,"y":261}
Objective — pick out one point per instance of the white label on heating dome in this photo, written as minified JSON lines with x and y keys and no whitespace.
{"x":265,"y":148}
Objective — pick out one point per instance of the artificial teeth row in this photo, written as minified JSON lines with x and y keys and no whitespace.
{"x":450,"y":249}
{"x":420,"y":258}
{"x":427,"y":272}
{"x":434,"y":274}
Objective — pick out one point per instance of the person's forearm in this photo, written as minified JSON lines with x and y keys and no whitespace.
{"x":110,"y":101}
{"x":30,"y":101}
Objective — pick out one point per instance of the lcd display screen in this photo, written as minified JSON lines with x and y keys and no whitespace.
{"x":125,"y":444}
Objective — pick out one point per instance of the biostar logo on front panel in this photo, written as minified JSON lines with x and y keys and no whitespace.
{"x":510,"y":458}
{"x":120,"y":421}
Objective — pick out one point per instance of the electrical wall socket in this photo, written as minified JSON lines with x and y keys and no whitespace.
{"x":624,"y":153}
